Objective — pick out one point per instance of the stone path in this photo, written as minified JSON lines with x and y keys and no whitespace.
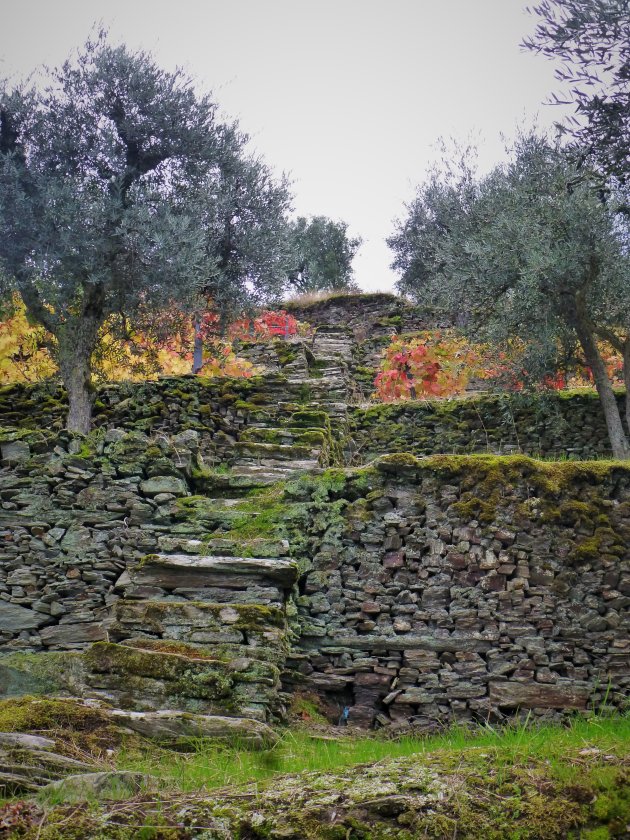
{"x":202,"y":627}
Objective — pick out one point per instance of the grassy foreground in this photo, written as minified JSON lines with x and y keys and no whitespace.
{"x":518,"y":783}
{"x":209,"y":766}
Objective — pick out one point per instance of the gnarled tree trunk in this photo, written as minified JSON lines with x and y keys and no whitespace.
{"x":76,"y":344}
{"x":626,"y":379}
{"x":616,"y":433}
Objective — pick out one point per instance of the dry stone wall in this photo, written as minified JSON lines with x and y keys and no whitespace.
{"x":459,"y":588}
{"x":368,"y":315}
{"x":72,"y":522}
{"x":559,"y":425}
{"x":209,"y":546}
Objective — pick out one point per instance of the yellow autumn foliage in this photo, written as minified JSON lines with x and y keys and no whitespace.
{"x":27,"y":354}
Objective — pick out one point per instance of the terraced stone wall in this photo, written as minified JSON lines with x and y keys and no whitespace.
{"x":368,"y":314}
{"x":169,"y":405}
{"x":117,"y":582}
{"x":220,"y":410}
{"x":470,"y":587}
{"x":556,"y":425}
{"x":446,"y":588}
{"x":569,"y":425}
{"x":70,"y":523}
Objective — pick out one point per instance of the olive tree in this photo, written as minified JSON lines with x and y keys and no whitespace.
{"x":529,"y":252}
{"x":251,"y":243}
{"x":590,"y":39}
{"x":112,"y":201}
{"x":323,"y":255}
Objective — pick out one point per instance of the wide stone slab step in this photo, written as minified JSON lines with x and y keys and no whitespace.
{"x":272,"y":473}
{"x":148,"y":680}
{"x":270,"y":434}
{"x":235,"y":483}
{"x":216,"y":513}
{"x":172,"y":571}
{"x":274,"y":451}
{"x":224,"y":547}
{"x":169,"y":725}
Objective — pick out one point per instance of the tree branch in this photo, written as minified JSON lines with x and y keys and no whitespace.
{"x":35,"y":307}
{"x":608,"y":335}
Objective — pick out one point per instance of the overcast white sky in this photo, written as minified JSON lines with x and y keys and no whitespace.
{"x":347,"y":96}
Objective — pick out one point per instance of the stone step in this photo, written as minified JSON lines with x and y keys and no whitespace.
{"x":216,"y":513}
{"x":278,"y":435}
{"x":330,"y":367}
{"x":177,"y":571}
{"x":235,"y":483}
{"x":269,"y":465}
{"x":224,"y":547}
{"x":324,"y":350}
{"x":208,"y":630}
{"x":172,"y":726}
{"x":330,"y":343}
{"x":268,"y":474}
{"x":143,"y":678}
{"x":274,"y":452}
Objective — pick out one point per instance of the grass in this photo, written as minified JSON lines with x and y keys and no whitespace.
{"x":310,"y":298}
{"x":520,"y":782}
{"x":211,"y":766}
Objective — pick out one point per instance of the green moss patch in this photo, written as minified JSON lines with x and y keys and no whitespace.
{"x":75,"y":727}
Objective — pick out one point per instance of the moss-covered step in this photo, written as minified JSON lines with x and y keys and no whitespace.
{"x":216,"y":483}
{"x":269,"y":434}
{"x":264,"y":475}
{"x":269,"y":645}
{"x":270,"y":453}
{"x":189,"y":622}
{"x":146,"y":679}
{"x":177,"y":571}
{"x":212,"y":513}
{"x":223,"y":546}
{"x":171,"y":726}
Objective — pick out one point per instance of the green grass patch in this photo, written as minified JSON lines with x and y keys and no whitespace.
{"x":211,"y":765}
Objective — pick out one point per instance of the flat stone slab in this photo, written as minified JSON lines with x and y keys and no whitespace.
{"x":174,"y":619}
{"x":172,"y":725}
{"x":190,"y":674}
{"x":532,"y":695}
{"x":14,"y":618}
{"x":71,"y":634}
{"x":163,"y":484}
{"x":107,"y":784}
{"x":170,"y":571}
{"x":25,"y":741}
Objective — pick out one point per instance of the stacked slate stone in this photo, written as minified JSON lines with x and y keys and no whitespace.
{"x":375,"y":314}
{"x":159,"y":564}
{"x":452,"y":589}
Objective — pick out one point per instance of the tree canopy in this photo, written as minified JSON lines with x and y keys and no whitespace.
{"x":591,"y":39}
{"x":528,"y":252}
{"x":123,"y":196}
{"x":323,"y":254}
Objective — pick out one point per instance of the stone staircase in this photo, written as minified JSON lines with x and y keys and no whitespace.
{"x":199,"y":633}
{"x":201,"y":625}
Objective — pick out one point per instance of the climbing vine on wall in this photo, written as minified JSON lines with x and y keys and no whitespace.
{"x":432,"y":364}
{"x":438,"y":364}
